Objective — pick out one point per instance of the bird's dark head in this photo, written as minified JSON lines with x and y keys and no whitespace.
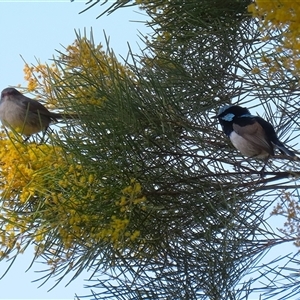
{"x":10,"y":92}
{"x":228,"y":112}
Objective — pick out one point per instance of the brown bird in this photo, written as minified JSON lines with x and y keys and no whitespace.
{"x":25,"y":115}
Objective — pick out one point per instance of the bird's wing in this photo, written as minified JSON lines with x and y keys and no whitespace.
{"x":270,"y":132}
{"x":35,"y":107}
{"x":255,"y":134}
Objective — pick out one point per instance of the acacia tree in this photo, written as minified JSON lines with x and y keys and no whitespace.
{"x":144,"y":189}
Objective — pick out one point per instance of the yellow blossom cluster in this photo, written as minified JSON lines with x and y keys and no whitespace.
{"x":50,"y":199}
{"x":73,"y":74}
{"x":277,"y":14}
{"x":289,"y":208}
{"x":280,"y":18}
{"x":25,"y":179}
{"x":37,"y":77}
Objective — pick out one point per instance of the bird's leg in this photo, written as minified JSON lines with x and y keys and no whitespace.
{"x":237,"y":165}
{"x":26,"y":139}
{"x":43,"y":136}
{"x":6,"y":131}
{"x":262,"y":171}
{"x":47,"y":130}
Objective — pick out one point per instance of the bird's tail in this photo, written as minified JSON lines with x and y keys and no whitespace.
{"x":69,"y":116}
{"x":64,"y":116}
{"x":284,"y":150}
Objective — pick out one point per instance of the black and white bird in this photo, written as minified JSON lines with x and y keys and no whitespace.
{"x":251,"y":135}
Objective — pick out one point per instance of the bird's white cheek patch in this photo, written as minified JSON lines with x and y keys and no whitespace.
{"x":246,"y":147}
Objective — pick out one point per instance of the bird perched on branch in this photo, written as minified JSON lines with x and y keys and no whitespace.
{"x":251,"y":135}
{"x":25,"y":115}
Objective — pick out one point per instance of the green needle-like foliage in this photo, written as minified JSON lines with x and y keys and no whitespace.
{"x":150,"y":195}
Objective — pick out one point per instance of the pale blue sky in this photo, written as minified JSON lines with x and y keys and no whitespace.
{"x":34,"y":29}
